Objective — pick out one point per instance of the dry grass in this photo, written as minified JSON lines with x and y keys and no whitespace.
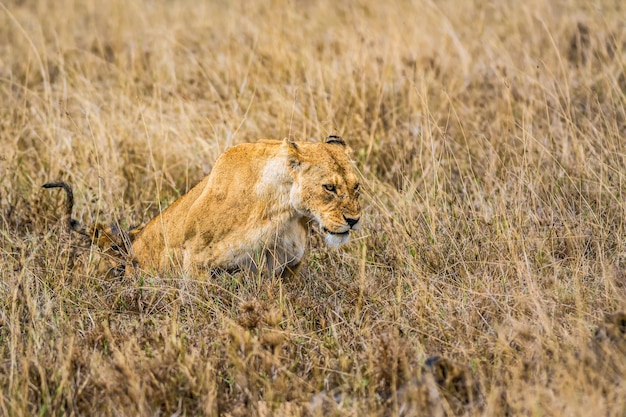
{"x":490,"y":135}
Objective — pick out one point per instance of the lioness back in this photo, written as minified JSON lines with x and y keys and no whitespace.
{"x":254,"y":208}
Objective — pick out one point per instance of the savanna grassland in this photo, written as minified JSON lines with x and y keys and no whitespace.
{"x":489,"y":277}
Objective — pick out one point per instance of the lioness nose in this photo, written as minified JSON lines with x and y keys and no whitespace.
{"x":351,"y":222}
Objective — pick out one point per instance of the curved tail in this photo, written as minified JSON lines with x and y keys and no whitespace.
{"x":113,"y":243}
{"x":71,"y":224}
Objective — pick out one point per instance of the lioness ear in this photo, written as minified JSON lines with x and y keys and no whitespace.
{"x":334,"y":139}
{"x":293,"y":154}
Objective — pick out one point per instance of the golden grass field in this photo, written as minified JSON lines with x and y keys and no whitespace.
{"x":491,"y":138}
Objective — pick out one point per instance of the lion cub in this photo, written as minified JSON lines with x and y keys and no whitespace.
{"x":254,"y":209}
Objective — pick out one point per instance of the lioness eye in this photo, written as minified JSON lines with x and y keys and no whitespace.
{"x":330,"y":187}
{"x":356,"y":186}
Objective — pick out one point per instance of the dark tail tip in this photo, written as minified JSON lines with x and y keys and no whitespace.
{"x":60,"y":184}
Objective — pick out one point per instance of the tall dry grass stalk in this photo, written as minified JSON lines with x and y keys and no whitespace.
{"x":491,"y":140}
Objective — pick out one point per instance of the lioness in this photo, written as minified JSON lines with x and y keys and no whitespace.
{"x":254,"y":208}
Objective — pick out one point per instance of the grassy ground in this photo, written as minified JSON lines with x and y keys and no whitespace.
{"x":491,"y":137}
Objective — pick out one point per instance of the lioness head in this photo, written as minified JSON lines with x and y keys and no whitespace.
{"x":326,"y":187}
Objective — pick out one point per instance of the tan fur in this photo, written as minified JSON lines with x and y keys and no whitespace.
{"x":253,"y":210}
